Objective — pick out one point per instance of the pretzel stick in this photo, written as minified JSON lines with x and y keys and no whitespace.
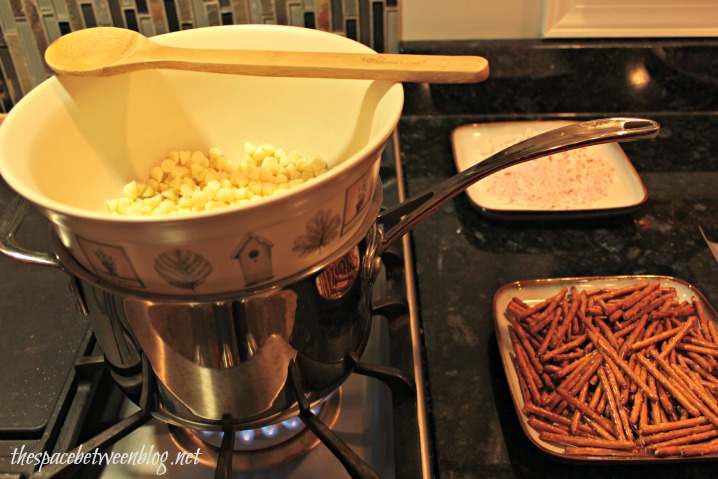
{"x":685,"y":310}
{"x":711,"y":325}
{"x":710,"y":447}
{"x":638,"y":401}
{"x":699,"y":342}
{"x":665,"y":401}
{"x":612,"y":404}
{"x":545,"y":307}
{"x":700,"y":361}
{"x":657,"y":338}
{"x":677,"y":392}
{"x":697,"y":349}
{"x":523,"y":385}
{"x":527,"y":371}
{"x":694,"y":438}
{"x":637,"y":331}
{"x":637,"y":296}
{"x":573,"y":387}
{"x":655,"y":307}
{"x":526,"y":343}
{"x":622,"y":415}
{"x":599,"y":451}
{"x":576,"y":417}
{"x":584,"y":409}
{"x":541,"y":425}
{"x":678,"y":336}
{"x":671,"y":426}
{"x":605,"y":349}
{"x":657,"y":413}
{"x":650,"y":302}
{"x":696,"y":388}
{"x":688,"y":391}
{"x":677,"y":433}
{"x":531,"y":408}
{"x":585,"y":376}
{"x":563,"y":348}
{"x":575,"y":354}
{"x":608,"y":333}
{"x":567,"y":322}
{"x":535,"y":309}
{"x":614,"y":293}
{"x":584,"y":441}
{"x":553,"y":325}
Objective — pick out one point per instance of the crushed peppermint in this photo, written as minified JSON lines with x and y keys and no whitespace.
{"x":569,"y":180}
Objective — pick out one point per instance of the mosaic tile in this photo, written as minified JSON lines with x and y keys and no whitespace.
{"x":147,"y":26}
{"x":280,"y":12}
{"x":157,"y":14}
{"x":11,"y":91}
{"x":102,"y":13}
{"x":17,"y":9}
{"x":186,"y":9}
{"x":350,"y":8}
{"x":213,"y":15}
{"x":323,"y":15}
{"x":266,"y":7}
{"x":31,"y":25}
{"x":240,"y":11}
{"x":336,"y":10}
{"x":296,"y":14}
{"x":24,"y":75}
{"x":34,"y":20}
{"x":74,"y":15}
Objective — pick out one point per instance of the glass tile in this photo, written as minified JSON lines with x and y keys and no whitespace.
{"x":172,"y":18}
{"x":351,"y":28}
{"x":377,"y":18}
{"x":88,"y":13}
{"x":131,"y":20}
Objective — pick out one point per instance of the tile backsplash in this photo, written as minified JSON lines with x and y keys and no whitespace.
{"x":29,"y":26}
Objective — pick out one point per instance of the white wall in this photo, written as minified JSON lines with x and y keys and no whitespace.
{"x":470,"y":19}
{"x":501,"y":19}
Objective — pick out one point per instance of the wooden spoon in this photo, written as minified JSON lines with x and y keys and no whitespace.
{"x":103,"y":51}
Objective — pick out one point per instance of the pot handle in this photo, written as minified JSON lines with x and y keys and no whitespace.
{"x":10,"y":222}
{"x":593,"y":132}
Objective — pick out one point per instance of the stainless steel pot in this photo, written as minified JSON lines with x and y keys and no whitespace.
{"x":198,"y":361}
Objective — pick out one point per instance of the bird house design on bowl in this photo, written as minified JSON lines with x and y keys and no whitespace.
{"x":254,"y":254}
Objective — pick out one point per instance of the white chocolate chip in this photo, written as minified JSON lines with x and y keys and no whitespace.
{"x":188,"y":181}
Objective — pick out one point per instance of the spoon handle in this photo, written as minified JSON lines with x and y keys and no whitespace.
{"x":390,"y":67}
{"x":592,"y":132}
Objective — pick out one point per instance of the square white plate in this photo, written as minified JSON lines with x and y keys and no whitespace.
{"x":473,"y":143}
{"x":533,"y":292}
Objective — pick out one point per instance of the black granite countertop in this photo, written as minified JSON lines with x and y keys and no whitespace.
{"x":462,"y":257}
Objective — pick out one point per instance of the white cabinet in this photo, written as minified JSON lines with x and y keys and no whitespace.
{"x":512,"y":19}
{"x":629,"y":18}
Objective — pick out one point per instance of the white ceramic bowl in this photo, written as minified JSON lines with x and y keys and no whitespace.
{"x":73,"y":142}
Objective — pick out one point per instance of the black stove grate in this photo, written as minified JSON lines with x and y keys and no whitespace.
{"x":400,"y":383}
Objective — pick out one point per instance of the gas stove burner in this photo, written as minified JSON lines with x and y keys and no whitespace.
{"x":260,"y":438}
{"x":257,"y":449}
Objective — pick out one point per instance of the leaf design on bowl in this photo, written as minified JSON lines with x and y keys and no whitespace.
{"x":183,"y":268}
{"x":321,"y":230}
{"x":106,"y":260}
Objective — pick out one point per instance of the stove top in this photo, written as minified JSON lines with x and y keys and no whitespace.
{"x":66,"y":408}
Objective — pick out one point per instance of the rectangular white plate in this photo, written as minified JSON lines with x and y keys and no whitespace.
{"x":535,"y":291}
{"x":473,"y":143}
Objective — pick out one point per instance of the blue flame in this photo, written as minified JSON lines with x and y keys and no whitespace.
{"x":247,"y":436}
{"x":292,"y":423}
